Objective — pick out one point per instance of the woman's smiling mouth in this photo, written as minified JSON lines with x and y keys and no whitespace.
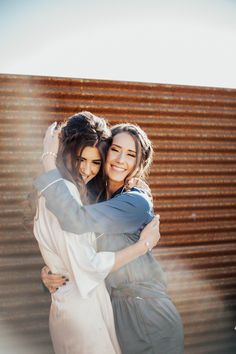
{"x":118,"y":168}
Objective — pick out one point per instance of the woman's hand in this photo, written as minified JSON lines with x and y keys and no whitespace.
{"x":151,"y":233}
{"x":50,"y":147}
{"x":52,"y":281}
{"x":139,"y":183}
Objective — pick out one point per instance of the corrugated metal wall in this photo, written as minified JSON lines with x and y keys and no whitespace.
{"x":193,"y":180}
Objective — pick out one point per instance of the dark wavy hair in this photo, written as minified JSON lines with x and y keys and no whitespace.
{"x":81,"y":130}
{"x":144,"y":149}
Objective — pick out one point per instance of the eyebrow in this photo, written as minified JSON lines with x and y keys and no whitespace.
{"x":81,"y":157}
{"x":134,"y":152}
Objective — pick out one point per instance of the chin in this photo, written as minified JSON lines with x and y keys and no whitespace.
{"x":113,"y":176}
{"x":117,"y":179}
{"x":87,"y":180}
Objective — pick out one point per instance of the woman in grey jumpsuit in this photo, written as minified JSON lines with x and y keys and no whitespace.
{"x":147,"y":321}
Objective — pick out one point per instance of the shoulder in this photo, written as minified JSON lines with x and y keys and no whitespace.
{"x":137,"y":193}
{"x":73,"y":190}
{"x":136,"y":197}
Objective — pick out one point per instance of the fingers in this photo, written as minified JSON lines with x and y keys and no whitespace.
{"x":151,"y":231}
{"x":51,"y":280}
{"x":45,"y":270}
{"x":155,"y":221}
{"x":55,"y":279}
{"x":156,"y":227}
{"x":53,"y":128}
{"x":157,"y":237}
{"x":54,"y":283}
{"x":44,"y":273}
{"x":52,"y":290}
{"x":154,"y":239}
{"x":137,"y":182}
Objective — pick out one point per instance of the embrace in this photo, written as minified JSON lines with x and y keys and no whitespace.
{"x":96,"y":228}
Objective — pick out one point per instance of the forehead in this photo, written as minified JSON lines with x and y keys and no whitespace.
{"x":125,"y":141}
{"x":91,"y":153}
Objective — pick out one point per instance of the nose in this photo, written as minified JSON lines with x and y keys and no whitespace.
{"x":86,"y":169}
{"x":121,"y":157}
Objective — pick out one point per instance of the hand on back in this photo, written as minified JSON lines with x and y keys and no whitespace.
{"x":151,"y":232}
{"x":52,"y":281}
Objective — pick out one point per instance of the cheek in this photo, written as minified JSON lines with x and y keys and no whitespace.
{"x":96,"y":169}
{"x":131,"y":163}
{"x":80,"y":166}
{"x":109,"y":156}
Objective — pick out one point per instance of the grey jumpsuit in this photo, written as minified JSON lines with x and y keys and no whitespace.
{"x":147,"y":321}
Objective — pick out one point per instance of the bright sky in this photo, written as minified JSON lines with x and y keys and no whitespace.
{"x":189,"y":42}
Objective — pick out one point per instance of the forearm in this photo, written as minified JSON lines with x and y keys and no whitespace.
{"x":49,"y":161}
{"x":129,"y":254}
{"x":126,"y":212}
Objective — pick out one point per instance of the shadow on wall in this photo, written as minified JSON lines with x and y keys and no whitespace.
{"x":208,"y":314}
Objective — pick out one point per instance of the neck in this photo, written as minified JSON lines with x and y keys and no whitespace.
{"x":112,"y":187}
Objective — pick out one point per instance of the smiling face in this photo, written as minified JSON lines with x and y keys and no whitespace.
{"x":121,"y":158}
{"x":89,"y":163}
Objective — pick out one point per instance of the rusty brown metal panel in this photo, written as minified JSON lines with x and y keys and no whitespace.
{"x":193,"y":180}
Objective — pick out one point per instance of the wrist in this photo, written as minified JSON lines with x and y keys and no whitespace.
{"x":49,"y":160}
{"x":144,"y":246}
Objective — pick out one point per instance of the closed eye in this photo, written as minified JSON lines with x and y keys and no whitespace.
{"x":114,"y":149}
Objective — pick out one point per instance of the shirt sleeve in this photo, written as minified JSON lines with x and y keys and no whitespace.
{"x":83,"y":264}
{"x":125,"y":213}
{"x":89,"y":268}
